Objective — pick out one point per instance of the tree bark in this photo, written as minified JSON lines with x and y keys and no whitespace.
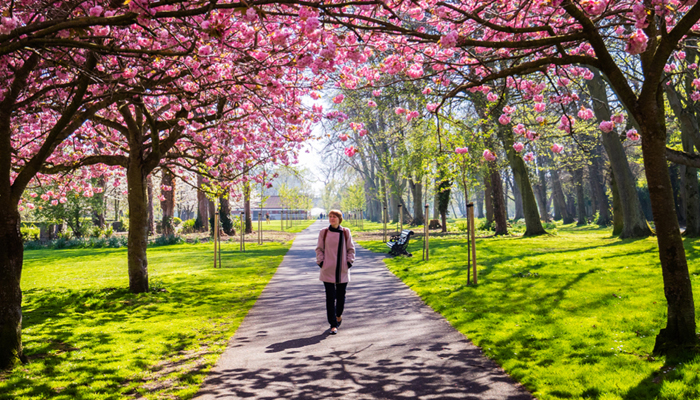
{"x":479,"y":203}
{"x":635,"y":224}
{"x":167,"y":205}
{"x":151,"y":217}
{"x":138,"y":221}
{"x":202,"y":206}
{"x":517,"y":198}
{"x":417,"y":190}
{"x":499,"y":210}
{"x":541,"y":189}
{"x":226,"y":224}
{"x":533,"y":224}
{"x":559,"y":199}
{"x":246,"y":208}
{"x":11,"y":258}
{"x":488,"y":198}
{"x":595,"y":172}
{"x":618,"y":219}
{"x":580,"y":197}
{"x":680,"y":326}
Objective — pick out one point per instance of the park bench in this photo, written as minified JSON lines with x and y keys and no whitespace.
{"x":399,"y":243}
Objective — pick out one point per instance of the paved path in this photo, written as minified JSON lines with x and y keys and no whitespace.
{"x":390,"y":346}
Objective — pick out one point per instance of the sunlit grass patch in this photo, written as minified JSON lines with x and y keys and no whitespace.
{"x":571,"y":316}
{"x":88,"y":337}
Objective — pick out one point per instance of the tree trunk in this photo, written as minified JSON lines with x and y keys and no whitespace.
{"x":559,"y":199}
{"x":517,"y":198}
{"x":488,"y":198}
{"x":542,"y":189}
{"x":225,"y":222}
{"x":680,"y":327}
{"x":580,"y":198}
{"x":533,"y":224}
{"x":595,"y":172}
{"x":151,"y":217}
{"x":479,"y":203}
{"x":212,"y":215}
{"x":98,"y":216}
{"x":202,"y":206}
{"x":246,"y":208}
{"x":499,"y":210}
{"x":167,"y":205}
{"x":635,"y":224}
{"x":138,"y":222}
{"x":417,"y":190}
{"x":618,"y":219}
{"x":11,"y":258}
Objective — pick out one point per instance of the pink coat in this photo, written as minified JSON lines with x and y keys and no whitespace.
{"x":327,"y":253}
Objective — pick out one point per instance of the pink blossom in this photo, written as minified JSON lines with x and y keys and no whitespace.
{"x":504,"y":119}
{"x":566,"y":123}
{"x":557,"y":148}
{"x":415,"y":71}
{"x":461,"y":150}
{"x":449,"y":41}
{"x":488,"y":155}
{"x":315,"y":95}
{"x":594,"y":7}
{"x":411,"y":115}
{"x":343,"y":137}
{"x":33,"y":194}
{"x":539,"y":119}
{"x":585,"y":113}
{"x":399,"y":110}
{"x":338,"y":99}
{"x":632,"y":135}
{"x":427,"y":90}
{"x":205,"y":50}
{"x":30,"y":206}
{"x":432,"y":107}
{"x":693,"y":66}
{"x":607,"y":126}
{"x":529,"y":156}
{"x":695,"y":96}
{"x":350,"y":151}
{"x":416,"y":13}
{"x":54,"y":202}
{"x":362,"y":132}
{"x":62,"y":200}
{"x":371,"y":103}
{"x":508,"y":109}
{"x":129,"y":73}
{"x":377,"y":93}
{"x":20,"y":208}
{"x":532,"y":135}
{"x":518,"y":147}
{"x":519,"y":129}
{"x":539,"y":107}
{"x":618,"y":119}
{"x":45,"y":197}
{"x":95,"y":11}
{"x":637,"y":42}
{"x":492,"y":97}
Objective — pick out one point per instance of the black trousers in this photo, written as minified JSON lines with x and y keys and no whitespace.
{"x":335,"y":301}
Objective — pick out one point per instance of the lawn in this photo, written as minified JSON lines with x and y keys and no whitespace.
{"x":571,"y":316}
{"x":275,"y":225}
{"x":88,"y":337}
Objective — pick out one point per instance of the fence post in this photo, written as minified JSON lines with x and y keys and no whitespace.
{"x":242,"y":232}
{"x":216,"y":237}
{"x":426,"y":233}
{"x":472,"y":240}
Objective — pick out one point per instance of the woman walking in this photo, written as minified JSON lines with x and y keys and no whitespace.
{"x":335,"y":254}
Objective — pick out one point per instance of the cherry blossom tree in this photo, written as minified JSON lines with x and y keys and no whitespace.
{"x":470,"y":46}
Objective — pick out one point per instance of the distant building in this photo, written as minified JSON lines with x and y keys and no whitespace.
{"x":272,"y":206}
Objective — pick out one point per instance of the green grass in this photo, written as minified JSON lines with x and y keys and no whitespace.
{"x":276,"y":225}
{"x":571,"y":316}
{"x":88,"y":337}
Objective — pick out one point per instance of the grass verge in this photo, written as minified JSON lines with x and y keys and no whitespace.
{"x":88,"y":337}
{"x":571,"y":316}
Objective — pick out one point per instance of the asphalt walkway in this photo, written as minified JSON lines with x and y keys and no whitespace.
{"x":390,"y":345}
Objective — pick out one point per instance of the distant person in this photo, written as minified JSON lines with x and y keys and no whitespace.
{"x":335,"y":254}
{"x":267,"y":217}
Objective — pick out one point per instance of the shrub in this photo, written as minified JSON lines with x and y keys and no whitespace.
{"x":33,"y":245}
{"x":109,"y":231}
{"x":176,"y":221}
{"x":30,"y":233}
{"x":188,"y":226}
{"x":167,"y":240}
{"x":486,"y":226}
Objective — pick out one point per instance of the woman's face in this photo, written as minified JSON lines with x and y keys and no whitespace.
{"x":334,"y":220}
